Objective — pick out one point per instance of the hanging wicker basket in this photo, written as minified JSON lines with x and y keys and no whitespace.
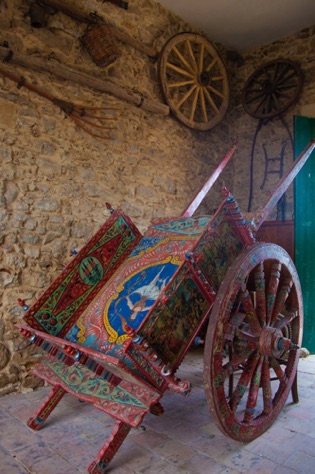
{"x":100,"y":43}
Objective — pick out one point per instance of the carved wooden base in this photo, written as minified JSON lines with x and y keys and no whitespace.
{"x":50,"y":403}
{"x":110,"y":448}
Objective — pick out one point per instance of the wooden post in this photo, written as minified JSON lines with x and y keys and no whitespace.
{"x":85,"y":80}
{"x":205,"y":188}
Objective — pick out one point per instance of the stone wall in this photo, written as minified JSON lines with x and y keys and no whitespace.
{"x":56,"y":179}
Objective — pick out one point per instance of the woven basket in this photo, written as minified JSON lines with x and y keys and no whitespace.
{"x":100,"y":43}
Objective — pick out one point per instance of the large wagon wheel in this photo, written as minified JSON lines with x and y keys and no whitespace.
{"x":251,"y":351}
{"x":272,"y":89}
{"x":194,"y":81}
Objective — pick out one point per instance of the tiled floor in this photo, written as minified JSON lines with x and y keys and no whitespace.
{"x":184,"y":440}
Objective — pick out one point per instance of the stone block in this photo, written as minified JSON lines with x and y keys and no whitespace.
{"x":5,"y":356}
{"x":49,"y":205}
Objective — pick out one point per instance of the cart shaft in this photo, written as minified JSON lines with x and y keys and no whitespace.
{"x":284,"y":183}
{"x":207,"y":185}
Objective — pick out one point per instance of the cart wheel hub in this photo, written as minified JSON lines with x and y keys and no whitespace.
{"x":271,"y":342}
{"x":204,"y":78}
{"x":268,"y":87}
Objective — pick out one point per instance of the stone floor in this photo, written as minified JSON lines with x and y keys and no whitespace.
{"x":184,"y":440}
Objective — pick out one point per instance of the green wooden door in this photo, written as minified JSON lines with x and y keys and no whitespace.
{"x":304,"y":131}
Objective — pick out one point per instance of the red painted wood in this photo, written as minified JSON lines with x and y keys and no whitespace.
{"x":278,"y":232}
{"x":45,"y":410}
{"x":207,"y":185}
{"x":256,"y":334}
{"x":108,"y":451}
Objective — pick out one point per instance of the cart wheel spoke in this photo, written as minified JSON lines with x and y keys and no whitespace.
{"x":257,"y":320}
{"x":255,"y":94}
{"x":284,"y":321}
{"x":282,"y":297}
{"x":266,"y":387}
{"x":280,"y":373}
{"x":244,"y":381}
{"x":253,"y":391}
{"x":273,"y":288}
{"x":260,"y":105}
{"x":282,"y":95}
{"x":275,"y":99}
{"x":215,"y":91}
{"x":186,"y":96}
{"x":286,"y":79}
{"x":260,"y":296}
{"x":203,"y":105}
{"x":181,"y":84}
{"x":184,"y":61}
{"x":190,"y":56}
{"x":211,"y":102}
{"x":212,"y":64}
{"x":201,"y":57}
{"x":237,"y":360}
{"x":194,"y":104}
{"x":251,"y":316}
{"x":181,"y":71}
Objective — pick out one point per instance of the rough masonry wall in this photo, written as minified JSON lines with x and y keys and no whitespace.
{"x":56,"y":179}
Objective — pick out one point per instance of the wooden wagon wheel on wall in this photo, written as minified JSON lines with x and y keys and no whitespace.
{"x":269,"y":92}
{"x":252,"y":344}
{"x":272,"y":89}
{"x":194,"y":81}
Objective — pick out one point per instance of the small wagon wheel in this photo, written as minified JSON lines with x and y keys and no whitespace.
{"x":251,"y":350}
{"x":272,"y":89}
{"x":194,"y":81}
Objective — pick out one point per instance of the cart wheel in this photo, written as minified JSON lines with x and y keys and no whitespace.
{"x":272,"y":89}
{"x":252,"y":344}
{"x":194,"y":81}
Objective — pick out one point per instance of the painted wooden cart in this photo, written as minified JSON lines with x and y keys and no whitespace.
{"x":121,"y":316}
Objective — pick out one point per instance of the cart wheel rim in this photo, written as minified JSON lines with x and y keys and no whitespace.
{"x":257,"y":320}
{"x":194,"y":81}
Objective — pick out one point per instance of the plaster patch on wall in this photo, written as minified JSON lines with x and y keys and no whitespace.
{"x":8,"y":113}
{"x":307,"y":110}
